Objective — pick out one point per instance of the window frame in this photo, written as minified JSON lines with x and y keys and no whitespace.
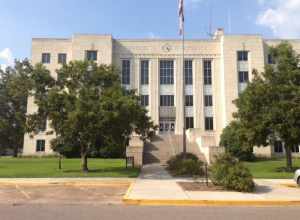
{"x":46,"y":58}
{"x":188,"y":72}
{"x":59,"y":60}
{"x":126,"y":72}
{"x":243,"y":76}
{"x":189,"y":100}
{"x":166,"y":72}
{"x":189,"y":122}
{"x":207,"y":72}
{"x":144,"y":72}
{"x":208,"y":101}
{"x":209,"y":123}
{"x":166,"y":100}
{"x":242,"y":55}
{"x":38,"y":147}
{"x":145,"y":100}
{"x":91,"y":58}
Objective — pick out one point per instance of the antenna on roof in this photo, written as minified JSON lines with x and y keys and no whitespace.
{"x":210,"y":22}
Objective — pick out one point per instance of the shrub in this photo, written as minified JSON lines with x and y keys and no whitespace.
{"x":188,"y":165}
{"x":231,"y":174}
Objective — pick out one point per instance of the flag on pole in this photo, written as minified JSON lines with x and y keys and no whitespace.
{"x":181,"y":16}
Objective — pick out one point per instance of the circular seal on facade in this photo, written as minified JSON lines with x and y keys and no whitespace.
{"x":167,"y":48}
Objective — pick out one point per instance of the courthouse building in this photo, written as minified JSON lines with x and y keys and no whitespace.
{"x":217,"y":70}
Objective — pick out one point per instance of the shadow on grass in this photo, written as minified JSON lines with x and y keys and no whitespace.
{"x":116,"y":171}
{"x":284,"y":170}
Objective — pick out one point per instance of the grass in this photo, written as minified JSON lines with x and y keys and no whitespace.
{"x":271,"y":169}
{"x":48,"y":167}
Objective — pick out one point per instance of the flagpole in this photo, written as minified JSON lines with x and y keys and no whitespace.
{"x":183,"y":89}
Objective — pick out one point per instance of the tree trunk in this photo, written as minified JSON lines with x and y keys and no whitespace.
{"x":84,"y":162}
{"x":289,"y":162}
{"x":15,"y":151}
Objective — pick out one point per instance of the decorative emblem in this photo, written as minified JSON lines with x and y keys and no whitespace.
{"x":167,"y":48}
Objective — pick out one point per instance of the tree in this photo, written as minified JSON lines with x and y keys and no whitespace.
{"x":15,"y":85}
{"x":269,"y":109}
{"x":234,"y":139}
{"x":87,"y":108}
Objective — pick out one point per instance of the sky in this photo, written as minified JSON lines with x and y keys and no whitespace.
{"x":20,"y":21}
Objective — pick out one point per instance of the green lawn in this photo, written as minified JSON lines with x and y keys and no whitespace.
{"x":48,"y":167}
{"x":271,"y":169}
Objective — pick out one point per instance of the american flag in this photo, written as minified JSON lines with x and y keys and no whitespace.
{"x":181,"y":16}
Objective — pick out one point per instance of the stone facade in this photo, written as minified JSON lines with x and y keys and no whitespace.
{"x":216,"y":58}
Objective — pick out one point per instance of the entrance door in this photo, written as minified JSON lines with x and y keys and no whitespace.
{"x":167,"y":126}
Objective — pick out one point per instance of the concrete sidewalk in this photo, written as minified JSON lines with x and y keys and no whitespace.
{"x":156,"y":187}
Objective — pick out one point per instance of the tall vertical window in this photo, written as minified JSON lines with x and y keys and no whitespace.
{"x":40,"y":145}
{"x":208,"y":101}
{"x":166,"y":100}
{"x":243,"y":77}
{"x":188,"y":72}
{"x":242,"y":55}
{"x":126,"y":72}
{"x":46,"y":57}
{"x":189,"y":122}
{"x":295,"y":149}
{"x":278,"y":148}
{"x":189,"y":100}
{"x":43,"y":125}
{"x":62,"y":58}
{"x":209,"y":123}
{"x":145,"y":72}
{"x":91,"y":55}
{"x":145,"y":100}
{"x":207,"y":72}
{"x":271,"y":59}
{"x":166,"y":72}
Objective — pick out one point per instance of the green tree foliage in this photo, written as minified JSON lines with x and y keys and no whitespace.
{"x":87,"y":108}
{"x":269,"y":109}
{"x":234,"y":139}
{"x":15,"y":85}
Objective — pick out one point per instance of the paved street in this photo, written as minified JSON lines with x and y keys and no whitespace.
{"x":111,"y":212}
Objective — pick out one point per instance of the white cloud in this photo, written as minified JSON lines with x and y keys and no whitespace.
{"x":281,"y":16}
{"x":6,"y":58}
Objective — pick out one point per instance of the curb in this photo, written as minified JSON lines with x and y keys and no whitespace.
{"x":155,"y":202}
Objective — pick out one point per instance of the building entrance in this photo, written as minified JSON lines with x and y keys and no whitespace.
{"x":167,"y":126}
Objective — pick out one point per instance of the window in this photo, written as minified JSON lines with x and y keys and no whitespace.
{"x":243,"y":77}
{"x":278,"y":148}
{"x":46,"y":58}
{"x":188,"y":72}
{"x":43,"y":125}
{"x":145,"y":100}
{"x":91,"y":55}
{"x":62,"y":58}
{"x":243,"y":55}
{"x":145,"y":72}
{"x":209,"y":123}
{"x":295,"y":149}
{"x":189,"y":100}
{"x":166,"y":100}
{"x":40,"y":146}
{"x":271,"y":59}
{"x":208,"y":101}
{"x":189,"y":122}
{"x":166,"y":72}
{"x":207,"y":72}
{"x":126,"y":72}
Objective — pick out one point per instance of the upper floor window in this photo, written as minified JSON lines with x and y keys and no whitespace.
{"x":145,"y":72}
{"x":91,"y":55}
{"x":271,"y":59}
{"x":62,"y":58}
{"x":242,"y":55}
{"x":167,"y":100}
{"x":243,"y":77}
{"x":207,"y":72}
{"x":166,"y":72}
{"x":209,"y":123}
{"x":189,"y":100}
{"x":40,"y":146}
{"x":295,"y":149}
{"x":208,"y":101}
{"x":278,"y":147}
{"x":145,"y":100}
{"x":46,"y":57}
{"x":189,"y":122}
{"x":126,"y":72}
{"x":188,"y":72}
